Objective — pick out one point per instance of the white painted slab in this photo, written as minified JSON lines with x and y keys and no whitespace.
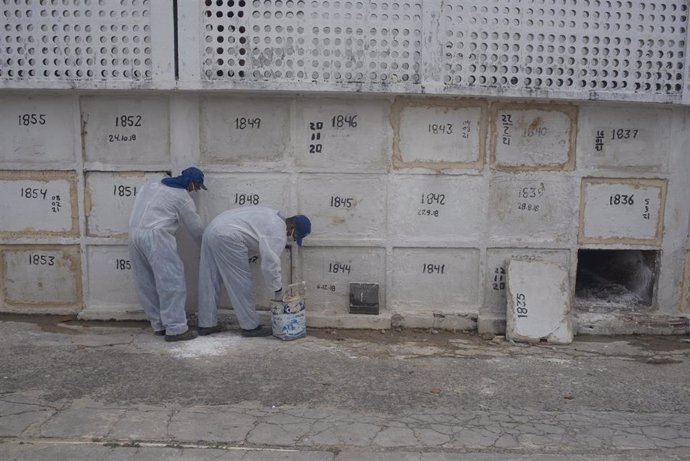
{"x":496,"y":275}
{"x":41,"y":276}
{"x":109,"y":201}
{"x":125,"y":130}
{"x":343,"y":135}
{"x":423,"y":207}
{"x":621,"y":209}
{"x":531,"y":138}
{"x":345,"y":206}
{"x":227,"y":191}
{"x":111,"y":282}
{"x":435,"y":279}
{"x":37,"y":130}
{"x":538,"y":302}
{"x":439,"y":133}
{"x":243,"y":130}
{"x":35,"y":203}
{"x":532,"y":208}
{"x":619,"y":138}
{"x":329,"y":272}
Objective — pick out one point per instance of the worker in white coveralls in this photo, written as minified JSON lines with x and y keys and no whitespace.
{"x":158,"y":270}
{"x":230,"y":240}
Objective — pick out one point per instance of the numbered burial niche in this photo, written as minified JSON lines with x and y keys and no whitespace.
{"x":41,"y":277}
{"x":624,"y":138}
{"x":538,"y":303}
{"x":438,"y":134}
{"x":244,"y":131}
{"x":533,"y":136}
{"x":435,"y":280}
{"x":38,"y":204}
{"x":532,"y":207}
{"x":442,"y":208}
{"x":622,"y":210}
{"x":344,"y":207}
{"x":125,"y":130}
{"x":227,"y":191}
{"x":109,"y":198}
{"x":624,"y":280}
{"x":342,"y":135}
{"x":330,"y":271}
{"x":37,"y":130}
{"x":496,"y":275}
{"x":111,"y":283}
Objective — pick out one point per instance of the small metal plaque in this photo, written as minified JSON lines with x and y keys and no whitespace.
{"x":364,"y":298}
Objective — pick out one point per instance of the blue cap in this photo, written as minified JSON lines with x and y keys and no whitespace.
{"x":302,"y":228}
{"x":188,"y":176}
{"x":193,"y":174}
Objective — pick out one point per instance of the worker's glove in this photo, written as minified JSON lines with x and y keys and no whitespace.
{"x":278,"y":295}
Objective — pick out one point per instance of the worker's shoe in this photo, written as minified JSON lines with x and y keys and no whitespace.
{"x":186,"y":336}
{"x":159,"y":333}
{"x":205,"y":331}
{"x":257,"y":332}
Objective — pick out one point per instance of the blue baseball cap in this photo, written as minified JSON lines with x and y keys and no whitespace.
{"x":302,"y":228}
{"x":193,"y":174}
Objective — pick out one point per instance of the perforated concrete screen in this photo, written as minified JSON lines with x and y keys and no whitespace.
{"x":624,"y":46}
{"x":82,"y":41}
{"x":614,"y":49}
{"x":309,"y":40}
{"x":72,"y":35}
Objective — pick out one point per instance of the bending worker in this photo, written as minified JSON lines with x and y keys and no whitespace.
{"x":158,"y":270}
{"x":229,"y":241}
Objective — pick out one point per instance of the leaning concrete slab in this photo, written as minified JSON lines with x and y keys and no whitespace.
{"x":538,"y":303}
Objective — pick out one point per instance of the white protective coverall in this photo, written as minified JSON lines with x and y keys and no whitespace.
{"x":229,"y":241}
{"x":158,"y":269}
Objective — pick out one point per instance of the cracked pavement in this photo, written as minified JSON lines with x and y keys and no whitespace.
{"x":75,"y":390}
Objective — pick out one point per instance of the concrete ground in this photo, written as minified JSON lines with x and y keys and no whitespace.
{"x":72,"y":390}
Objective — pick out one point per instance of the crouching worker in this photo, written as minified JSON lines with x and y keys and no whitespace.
{"x":157,"y":268}
{"x":229,"y":241}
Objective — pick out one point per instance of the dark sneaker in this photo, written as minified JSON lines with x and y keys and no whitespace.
{"x":159,"y":333}
{"x":187,"y":335}
{"x":205,"y":331}
{"x":257,"y":332}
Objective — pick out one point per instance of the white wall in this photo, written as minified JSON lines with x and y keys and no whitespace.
{"x":430,"y":142}
{"x":434,"y":227}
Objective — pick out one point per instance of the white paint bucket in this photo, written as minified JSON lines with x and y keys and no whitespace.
{"x":289,"y":317}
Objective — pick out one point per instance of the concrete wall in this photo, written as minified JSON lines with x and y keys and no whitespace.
{"x":428,"y":197}
{"x":431,"y":142}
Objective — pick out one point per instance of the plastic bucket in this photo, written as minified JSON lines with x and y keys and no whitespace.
{"x":289,"y":319}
